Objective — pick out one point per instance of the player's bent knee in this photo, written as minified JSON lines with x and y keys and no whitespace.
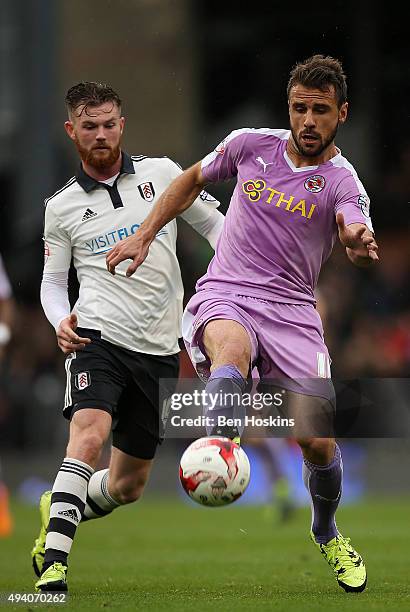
{"x":233,"y":352}
{"x":317,"y":445}
{"x":128,"y":491}
{"x":227,"y":341}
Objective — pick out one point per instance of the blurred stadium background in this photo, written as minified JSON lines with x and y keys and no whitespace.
{"x":189,"y":73}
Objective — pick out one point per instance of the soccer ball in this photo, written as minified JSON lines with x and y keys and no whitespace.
{"x":214,"y":471}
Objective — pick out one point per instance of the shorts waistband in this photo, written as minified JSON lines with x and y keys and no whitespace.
{"x":87,"y":331}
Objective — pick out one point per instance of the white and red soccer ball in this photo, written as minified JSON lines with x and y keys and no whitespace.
{"x":214,"y":471}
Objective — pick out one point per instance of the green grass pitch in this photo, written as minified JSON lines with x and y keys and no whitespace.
{"x":168,"y":555}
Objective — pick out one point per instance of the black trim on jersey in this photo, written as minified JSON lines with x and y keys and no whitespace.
{"x":173,"y":161}
{"x":114,"y":194}
{"x":68,"y":183}
{"x":88,"y":183}
{"x":127,"y":167}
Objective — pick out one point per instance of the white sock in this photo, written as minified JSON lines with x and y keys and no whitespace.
{"x":67,"y":507}
{"x":98,"y":502}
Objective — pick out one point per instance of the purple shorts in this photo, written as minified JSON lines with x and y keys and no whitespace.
{"x":286,"y":339}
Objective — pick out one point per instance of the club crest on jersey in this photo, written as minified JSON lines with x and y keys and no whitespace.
{"x":364,"y":204}
{"x":82,"y":380}
{"x":315,"y":183}
{"x":147,"y":191}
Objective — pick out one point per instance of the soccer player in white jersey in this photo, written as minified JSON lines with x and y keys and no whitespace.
{"x":255,"y":306}
{"x":121,"y":337}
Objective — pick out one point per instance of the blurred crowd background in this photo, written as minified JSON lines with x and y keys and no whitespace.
{"x":188,"y":73}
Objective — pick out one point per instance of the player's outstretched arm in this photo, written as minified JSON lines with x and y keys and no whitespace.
{"x":178,"y":196}
{"x":361,"y":247}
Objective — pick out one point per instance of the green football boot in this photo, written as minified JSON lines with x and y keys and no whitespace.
{"x":347,"y":564}
{"x":53,"y":579}
{"x":39,"y":548}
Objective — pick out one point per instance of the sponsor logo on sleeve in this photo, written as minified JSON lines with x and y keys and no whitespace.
{"x":206,"y":197}
{"x":364,"y":204}
{"x":82,"y":380}
{"x":46,"y":251}
{"x":221,"y":147}
{"x":147,"y":191}
{"x":315,"y":183}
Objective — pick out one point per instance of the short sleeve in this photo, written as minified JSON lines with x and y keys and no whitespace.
{"x":204,"y":204}
{"x":353,"y":201}
{"x":221,"y":164}
{"x":57,"y":244}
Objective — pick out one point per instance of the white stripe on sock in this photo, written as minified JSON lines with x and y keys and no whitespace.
{"x":58,"y":541}
{"x":98,"y":492}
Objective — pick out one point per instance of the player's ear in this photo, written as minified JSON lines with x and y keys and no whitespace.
{"x":69,"y":128}
{"x":343,"y":112}
{"x":122,"y":123}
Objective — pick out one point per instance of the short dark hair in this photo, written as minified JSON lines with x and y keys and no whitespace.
{"x":320,"y":71}
{"x":90,"y":93}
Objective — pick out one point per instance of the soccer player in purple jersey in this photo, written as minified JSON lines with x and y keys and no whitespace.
{"x":255,"y":306}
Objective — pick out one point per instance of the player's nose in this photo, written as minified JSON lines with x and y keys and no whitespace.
{"x":101,"y":133}
{"x":309,"y":119}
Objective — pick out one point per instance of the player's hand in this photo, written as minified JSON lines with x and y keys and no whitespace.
{"x":357,"y":239}
{"x":134,"y":247}
{"x":67,"y":339}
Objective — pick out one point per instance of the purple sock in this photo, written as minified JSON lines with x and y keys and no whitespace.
{"x":224,"y":392}
{"x":324,"y":483}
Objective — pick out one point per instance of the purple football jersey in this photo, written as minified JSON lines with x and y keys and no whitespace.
{"x":281,"y":222}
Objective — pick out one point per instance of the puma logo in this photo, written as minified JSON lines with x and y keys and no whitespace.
{"x":263,"y":163}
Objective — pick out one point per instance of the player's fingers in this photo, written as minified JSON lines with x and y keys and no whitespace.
{"x":68,"y":347}
{"x":112,"y":260}
{"x":68,"y":335}
{"x":372,"y":246}
{"x":373,"y":255}
{"x":111,"y":254}
{"x":111,"y":268}
{"x":83,"y":340}
{"x":133,"y":266}
{"x":115,"y":258}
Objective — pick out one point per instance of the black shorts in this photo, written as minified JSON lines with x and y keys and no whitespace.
{"x":125,"y":384}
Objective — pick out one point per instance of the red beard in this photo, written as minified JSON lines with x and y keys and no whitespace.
{"x":100,"y":159}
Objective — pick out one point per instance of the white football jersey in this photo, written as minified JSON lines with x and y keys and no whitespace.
{"x":85,"y":219}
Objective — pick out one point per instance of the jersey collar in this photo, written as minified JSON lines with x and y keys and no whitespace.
{"x":88,"y":183}
{"x":309,"y":168}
